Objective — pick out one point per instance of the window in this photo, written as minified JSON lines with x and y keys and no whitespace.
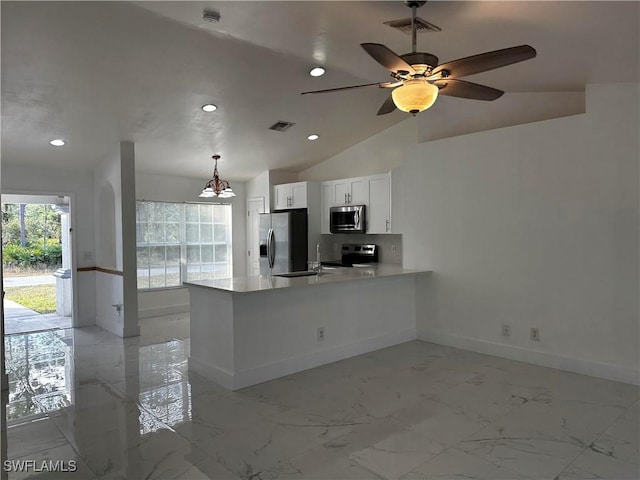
{"x":177,"y":242}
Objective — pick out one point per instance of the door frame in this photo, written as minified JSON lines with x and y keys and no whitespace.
{"x":72,"y":246}
{"x":250,"y":247}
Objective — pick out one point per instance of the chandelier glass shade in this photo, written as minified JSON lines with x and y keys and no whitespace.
{"x":217,"y":187}
{"x":415,"y":96}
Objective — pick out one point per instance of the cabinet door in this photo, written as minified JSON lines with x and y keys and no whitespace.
{"x":298,"y":195}
{"x":379,"y":210}
{"x":340,"y":190}
{"x":358,"y":191}
{"x":327,"y":203}
{"x":282,"y":194}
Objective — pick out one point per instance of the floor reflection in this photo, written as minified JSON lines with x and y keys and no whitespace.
{"x":111,"y":405}
{"x":130,"y":409}
{"x":40,"y":368}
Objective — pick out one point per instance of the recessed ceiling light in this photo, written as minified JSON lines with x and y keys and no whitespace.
{"x":58,"y":142}
{"x":317,"y":72}
{"x":209,"y":107}
{"x":313,"y":136}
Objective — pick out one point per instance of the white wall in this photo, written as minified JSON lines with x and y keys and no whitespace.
{"x":79,"y":186}
{"x":154,"y":187}
{"x":451,"y":117}
{"x":114,"y":187}
{"x":377,"y":154}
{"x":534,"y":226}
{"x":129,"y":250}
{"x":259,"y":187}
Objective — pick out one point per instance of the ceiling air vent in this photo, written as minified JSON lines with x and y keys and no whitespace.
{"x":281,"y":126}
{"x":404,"y":25}
{"x":211,"y":16}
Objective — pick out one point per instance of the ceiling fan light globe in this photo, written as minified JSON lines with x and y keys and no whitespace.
{"x":414,"y":96}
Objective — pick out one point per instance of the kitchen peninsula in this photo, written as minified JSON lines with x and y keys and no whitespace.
{"x":247,"y":330}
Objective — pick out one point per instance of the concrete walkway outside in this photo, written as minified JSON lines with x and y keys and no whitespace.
{"x":19,"y":319}
{"x":27,"y":281}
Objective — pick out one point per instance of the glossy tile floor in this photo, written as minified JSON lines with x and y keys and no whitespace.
{"x":130,"y":409}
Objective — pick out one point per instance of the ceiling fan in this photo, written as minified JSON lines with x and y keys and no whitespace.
{"x":418,"y":79}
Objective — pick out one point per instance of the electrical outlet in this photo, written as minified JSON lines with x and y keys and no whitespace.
{"x":393,"y":248}
{"x":320,"y":334}
{"x":506,"y":330}
{"x":535,"y":334}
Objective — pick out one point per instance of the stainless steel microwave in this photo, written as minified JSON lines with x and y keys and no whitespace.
{"x":348,"y":219}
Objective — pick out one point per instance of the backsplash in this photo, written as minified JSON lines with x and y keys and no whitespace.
{"x":388,"y":244}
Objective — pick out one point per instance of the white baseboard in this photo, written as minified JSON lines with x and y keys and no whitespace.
{"x":213,"y":373}
{"x":246,"y":378}
{"x":291,"y":365}
{"x":607,"y":371}
{"x":161,"y":311}
{"x":115,"y":327}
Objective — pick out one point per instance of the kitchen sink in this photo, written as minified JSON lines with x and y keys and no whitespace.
{"x":296,"y":274}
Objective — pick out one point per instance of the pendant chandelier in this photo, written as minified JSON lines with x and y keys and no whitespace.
{"x":216,"y":187}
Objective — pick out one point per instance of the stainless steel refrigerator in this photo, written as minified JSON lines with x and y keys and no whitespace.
{"x":283,"y":242}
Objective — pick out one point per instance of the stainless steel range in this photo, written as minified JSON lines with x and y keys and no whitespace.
{"x":357,"y":254}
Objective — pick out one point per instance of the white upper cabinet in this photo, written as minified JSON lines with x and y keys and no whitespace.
{"x":351,"y":191}
{"x":379,"y":209}
{"x":373,"y":191}
{"x":290,"y":195}
{"x":326,"y":195}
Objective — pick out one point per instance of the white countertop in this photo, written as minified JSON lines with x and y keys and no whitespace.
{"x":330,"y":275}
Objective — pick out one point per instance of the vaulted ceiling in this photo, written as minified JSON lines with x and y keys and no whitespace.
{"x":95,"y":73}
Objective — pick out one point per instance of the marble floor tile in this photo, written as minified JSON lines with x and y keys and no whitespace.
{"x":317,"y":429}
{"x":620,"y":441}
{"x":488,"y":401}
{"x":382,"y":391}
{"x":278,"y":391}
{"x":397,"y":454}
{"x":453,"y":464}
{"x":535,"y":453}
{"x":32,"y":437}
{"x":439,"y":422}
{"x":61,"y":462}
{"x":329,"y":404}
{"x":229,"y":411}
{"x":321,"y":464}
{"x":363,"y":435}
{"x":130,"y":409}
{"x":573,"y":422}
{"x":410,"y":354}
{"x":632,"y":414}
{"x":254,"y":450}
{"x":595,"y":465}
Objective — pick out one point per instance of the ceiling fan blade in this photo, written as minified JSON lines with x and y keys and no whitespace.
{"x":387,"y":107}
{"x":387,"y":58}
{"x":483,"y":62}
{"x":377,"y":84}
{"x":462,"y":89}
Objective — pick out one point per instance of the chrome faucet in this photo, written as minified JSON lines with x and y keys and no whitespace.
{"x":318,"y":263}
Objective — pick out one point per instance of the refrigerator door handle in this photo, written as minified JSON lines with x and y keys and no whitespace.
{"x":269,"y":248}
{"x":272,"y":248}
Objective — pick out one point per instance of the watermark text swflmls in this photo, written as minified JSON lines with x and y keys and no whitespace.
{"x":39,"y":466}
